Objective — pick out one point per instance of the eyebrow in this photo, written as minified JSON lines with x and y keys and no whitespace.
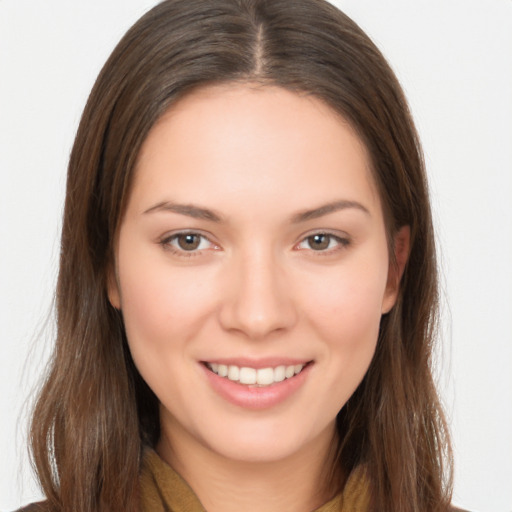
{"x":198,"y":212}
{"x":325,"y":209}
{"x":189,"y":210}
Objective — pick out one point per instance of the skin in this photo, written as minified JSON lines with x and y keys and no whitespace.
{"x":257,"y":285}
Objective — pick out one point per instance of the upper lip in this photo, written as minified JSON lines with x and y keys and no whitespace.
{"x":266,"y":362}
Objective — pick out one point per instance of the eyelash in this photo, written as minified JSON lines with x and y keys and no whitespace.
{"x":167,"y":243}
{"x":342,"y":242}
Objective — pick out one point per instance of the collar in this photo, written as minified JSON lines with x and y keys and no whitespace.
{"x":164,"y":490}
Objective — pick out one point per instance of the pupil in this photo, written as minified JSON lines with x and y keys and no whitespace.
{"x":188,"y":242}
{"x":319,"y":242}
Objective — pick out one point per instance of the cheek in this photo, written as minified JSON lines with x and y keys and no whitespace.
{"x":164,"y":309}
{"x":350,"y":298}
{"x":348,"y":320}
{"x":156,"y":313}
{"x":146,"y":305}
{"x":162,"y":305}
{"x":346,"y":314}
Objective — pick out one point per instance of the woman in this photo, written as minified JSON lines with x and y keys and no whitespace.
{"x":247,"y":290}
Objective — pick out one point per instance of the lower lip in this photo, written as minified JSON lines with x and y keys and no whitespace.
{"x":256,"y":398}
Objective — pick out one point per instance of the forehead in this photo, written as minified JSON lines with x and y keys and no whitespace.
{"x":261,"y":141}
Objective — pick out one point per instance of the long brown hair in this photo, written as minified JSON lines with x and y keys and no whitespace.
{"x":95,"y":413}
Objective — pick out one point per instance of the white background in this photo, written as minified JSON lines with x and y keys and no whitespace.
{"x":454,"y":59}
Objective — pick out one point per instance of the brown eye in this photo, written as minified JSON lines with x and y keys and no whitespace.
{"x":188,"y":241}
{"x":319,"y":242}
{"x":323,"y":243}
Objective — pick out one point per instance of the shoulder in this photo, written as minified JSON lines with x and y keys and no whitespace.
{"x":34,"y":507}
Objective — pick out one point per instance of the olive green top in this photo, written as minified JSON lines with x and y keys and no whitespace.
{"x":163,"y":490}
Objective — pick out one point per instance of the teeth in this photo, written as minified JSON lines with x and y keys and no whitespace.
{"x":247,"y":376}
{"x":265,"y":376}
{"x":279,"y":373}
{"x":233,"y":372}
{"x":253,"y":376}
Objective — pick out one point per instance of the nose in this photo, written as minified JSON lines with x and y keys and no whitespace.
{"x":258,"y":300}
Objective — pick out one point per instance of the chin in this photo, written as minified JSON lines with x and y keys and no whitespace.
{"x":257,"y":442}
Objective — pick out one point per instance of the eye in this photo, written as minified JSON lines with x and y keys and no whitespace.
{"x":187,"y":242}
{"x":323,"y":242}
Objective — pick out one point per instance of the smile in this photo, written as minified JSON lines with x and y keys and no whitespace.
{"x":259,"y":377}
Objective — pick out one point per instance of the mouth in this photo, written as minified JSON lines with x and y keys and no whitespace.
{"x":256,"y":377}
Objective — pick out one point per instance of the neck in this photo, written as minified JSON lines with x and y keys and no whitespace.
{"x":297,"y":482}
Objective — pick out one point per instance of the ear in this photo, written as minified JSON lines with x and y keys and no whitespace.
{"x":114,"y":296}
{"x":401,"y":243}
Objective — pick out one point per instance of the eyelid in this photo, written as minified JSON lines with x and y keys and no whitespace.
{"x":165,"y":242}
{"x":342,"y":238}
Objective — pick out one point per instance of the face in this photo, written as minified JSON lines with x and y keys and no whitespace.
{"x":252,"y":270}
